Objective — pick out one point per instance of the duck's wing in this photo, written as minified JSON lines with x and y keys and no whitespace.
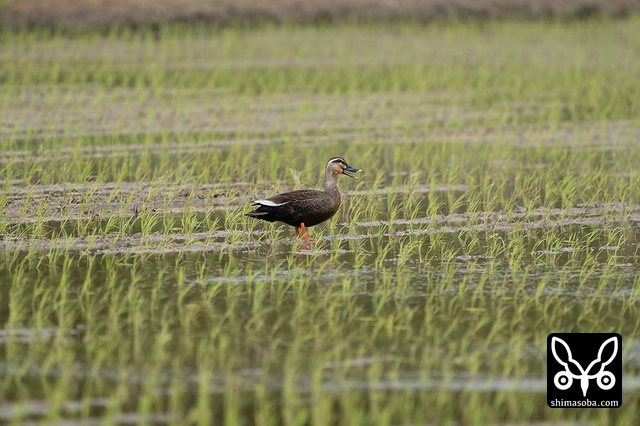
{"x":293,"y":198}
{"x":288,"y":207}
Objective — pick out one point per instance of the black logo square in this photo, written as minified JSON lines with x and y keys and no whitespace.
{"x":584,"y":370}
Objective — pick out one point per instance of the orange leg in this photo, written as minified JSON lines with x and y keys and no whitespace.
{"x":297,"y":231}
{"x":304,"y":233}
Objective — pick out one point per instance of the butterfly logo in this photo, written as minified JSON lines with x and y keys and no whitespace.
{"x":564,"y":379}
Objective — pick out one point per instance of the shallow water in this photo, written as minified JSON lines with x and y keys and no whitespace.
{"x":422,"y":326}
{"x":493,"y":211}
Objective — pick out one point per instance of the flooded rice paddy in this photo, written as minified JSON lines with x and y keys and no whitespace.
{"x":500,"y":202}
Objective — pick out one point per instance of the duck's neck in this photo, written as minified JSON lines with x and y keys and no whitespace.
{"x":330,"y":183}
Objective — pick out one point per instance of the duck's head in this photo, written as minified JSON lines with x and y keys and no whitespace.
{"x":338,"y":165}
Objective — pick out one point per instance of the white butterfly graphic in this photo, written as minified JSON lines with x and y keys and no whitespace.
{"x":564,"y":379}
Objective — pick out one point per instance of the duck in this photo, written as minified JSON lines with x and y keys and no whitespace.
{"x":305,"y":208}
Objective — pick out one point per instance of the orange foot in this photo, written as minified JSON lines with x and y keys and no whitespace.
{"x":304,"y":232}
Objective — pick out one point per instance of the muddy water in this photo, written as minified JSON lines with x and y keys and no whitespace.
{"x":145,"y":300}
{"x":425,"y":307}
{"x":466,"y":286}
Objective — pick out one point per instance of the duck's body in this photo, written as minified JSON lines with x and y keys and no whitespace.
{"x":306,"y":207}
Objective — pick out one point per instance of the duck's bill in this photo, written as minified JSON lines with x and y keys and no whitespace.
{"x":351,"y":172}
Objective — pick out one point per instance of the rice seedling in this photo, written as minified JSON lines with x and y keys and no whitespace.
{"x":498,"y":205}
